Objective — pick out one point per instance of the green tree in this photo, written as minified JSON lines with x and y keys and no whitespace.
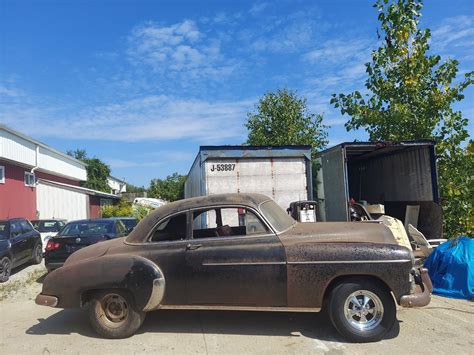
{"x":135,"y":189}
{"x":410,"y":96}
{"x":283,"y":118}
{"x":97,"y":171}
{"x":169,"y":189}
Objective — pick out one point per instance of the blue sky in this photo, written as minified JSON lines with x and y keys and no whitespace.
{"x":141,"y":84}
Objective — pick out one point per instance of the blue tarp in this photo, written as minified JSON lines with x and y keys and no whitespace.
{"x":451,"y":268}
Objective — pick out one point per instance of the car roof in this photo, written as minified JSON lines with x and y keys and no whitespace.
{"x":245,"y":199}
{"x":120,"y":218}
{"x":92,"y":220}
{"x":13,"y":219}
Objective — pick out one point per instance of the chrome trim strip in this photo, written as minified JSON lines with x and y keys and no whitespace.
{"x":246,"y":263}
{"x":349,"y":262}
{"x":157,"y":294}
{"x":241,"y":308}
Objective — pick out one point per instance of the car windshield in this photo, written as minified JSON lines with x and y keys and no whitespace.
{"x":277,"y":217}
{"x":46,"y":226}
{"x":92,"y":227}
{"x":3,"y":230}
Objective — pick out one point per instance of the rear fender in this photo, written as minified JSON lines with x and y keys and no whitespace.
{"x":74,"y":283}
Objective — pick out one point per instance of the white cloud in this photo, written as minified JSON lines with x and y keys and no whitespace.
{"x":180,"y":50}
{"x":454,"y":32}
{"x":339,"y":51}
{"x":258,"y":8}
{"x":148,"y":118}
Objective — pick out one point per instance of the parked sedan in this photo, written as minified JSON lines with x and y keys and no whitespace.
{"x":19,"y":244}
{"x":48,"y":227}
{"x":79,"y":234}
{"x":241,"y":252}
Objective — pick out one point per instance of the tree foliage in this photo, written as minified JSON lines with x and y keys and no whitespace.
{"x":97,"y":171}
{"x":283,"y":118}
{"x":125,"y":209}
{"x":169,"y":189}
{"x":410,"y":95}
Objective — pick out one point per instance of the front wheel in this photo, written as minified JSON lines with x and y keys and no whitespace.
{"x":362,"y":311}
{"x":113,"y":314}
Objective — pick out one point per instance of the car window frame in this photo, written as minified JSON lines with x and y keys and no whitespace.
{"x":156,"y":225}
{"x":270,"y":231}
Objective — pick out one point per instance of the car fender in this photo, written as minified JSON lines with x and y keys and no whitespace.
{"x":74,"y":282}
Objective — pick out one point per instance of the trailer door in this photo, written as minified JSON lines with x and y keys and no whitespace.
{"x":332,"y":178}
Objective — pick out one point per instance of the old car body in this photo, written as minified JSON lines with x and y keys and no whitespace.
{"x":240,"y":252}
{"x":19,"y":244}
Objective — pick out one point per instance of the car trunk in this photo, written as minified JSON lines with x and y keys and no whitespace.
{"x":70,"y":244}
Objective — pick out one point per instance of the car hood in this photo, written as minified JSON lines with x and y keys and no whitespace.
{"x":339,"y":232}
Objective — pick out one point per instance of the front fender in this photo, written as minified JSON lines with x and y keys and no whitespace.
{"x":138,"y":275}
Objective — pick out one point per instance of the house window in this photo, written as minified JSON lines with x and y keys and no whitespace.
{"x":2,"y":174}
{"x":29,"y":179}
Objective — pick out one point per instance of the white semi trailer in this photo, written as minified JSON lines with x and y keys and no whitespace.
{"x":281,"y":172}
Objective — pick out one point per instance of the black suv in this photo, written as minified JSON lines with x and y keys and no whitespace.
{"x":19,"y":243}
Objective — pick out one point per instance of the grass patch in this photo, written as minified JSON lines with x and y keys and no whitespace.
{"x":11,"y":287}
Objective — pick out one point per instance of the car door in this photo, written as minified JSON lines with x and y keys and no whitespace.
{"x":240,"y":262}
{"x":30,"y":235}
{"x":166,"y":247}
{"x":19,"y":244}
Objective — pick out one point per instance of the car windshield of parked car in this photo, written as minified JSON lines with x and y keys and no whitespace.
{"x":81,"y":228}
{"x":277,"y":217}
{"x":46,"y":226}
{"x":129,"y":223}
{"x":3,"y":230}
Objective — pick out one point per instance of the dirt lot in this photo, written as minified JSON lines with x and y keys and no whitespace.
{"x":445,"y":326}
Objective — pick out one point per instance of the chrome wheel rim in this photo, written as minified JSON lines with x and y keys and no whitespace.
{"x":363,"y":310}
{"x":114,"y":310}
{"x":5,"y":268}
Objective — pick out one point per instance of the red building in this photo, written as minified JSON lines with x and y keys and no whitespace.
{"x":37,"y":181}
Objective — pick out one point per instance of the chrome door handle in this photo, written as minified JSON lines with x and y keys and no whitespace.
{"x":193,"y":246}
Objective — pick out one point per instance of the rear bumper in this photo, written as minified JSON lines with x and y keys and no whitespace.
{"x":44,"y":300}
{"x":422,"y":294}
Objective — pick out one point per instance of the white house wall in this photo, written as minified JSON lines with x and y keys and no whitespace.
{"x":51,"y":161}
{"x":16,"y":149}
{"x":59,"y":202}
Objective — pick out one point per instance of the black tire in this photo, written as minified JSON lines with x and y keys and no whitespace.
{"x":5,"y":269}
{"x":37,"y":255}
{"x":113,"y":314}
{"x":369,"y":319}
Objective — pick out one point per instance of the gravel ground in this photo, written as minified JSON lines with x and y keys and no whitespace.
{"x":445,"y":326}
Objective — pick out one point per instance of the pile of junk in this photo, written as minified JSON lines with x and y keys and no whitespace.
{"x":394,"y":183}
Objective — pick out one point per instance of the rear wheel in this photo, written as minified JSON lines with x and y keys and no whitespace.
{"x":37,"y":255}
{"x":113,"y":314}
{"x":5,"y":269}
{"x":362,"y":311}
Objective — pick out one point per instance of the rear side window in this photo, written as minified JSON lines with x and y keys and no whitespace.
{"x":26,"y":227}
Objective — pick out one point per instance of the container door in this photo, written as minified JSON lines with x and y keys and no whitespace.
{"x":333,"y":177}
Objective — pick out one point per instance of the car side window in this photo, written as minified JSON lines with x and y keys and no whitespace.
{"x":26,"y":227}
{"x":173,"y":228}
{"x":227,"y":222}
{"x":15,"y":229}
